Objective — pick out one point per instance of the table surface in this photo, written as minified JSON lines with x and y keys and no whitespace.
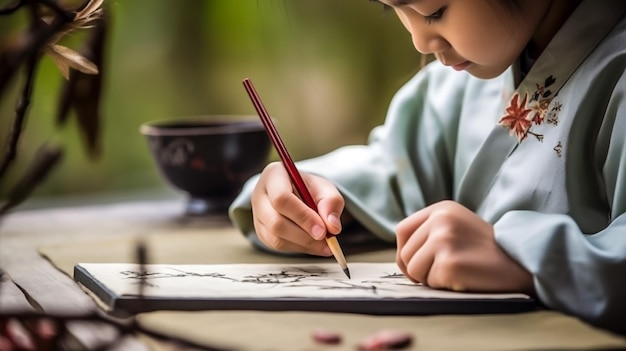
{"x":34,"y":284}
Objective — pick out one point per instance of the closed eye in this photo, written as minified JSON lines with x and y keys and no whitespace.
{"x":435,"y":16}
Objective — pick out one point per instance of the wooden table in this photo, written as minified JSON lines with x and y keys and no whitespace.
{"x":35,"y":284}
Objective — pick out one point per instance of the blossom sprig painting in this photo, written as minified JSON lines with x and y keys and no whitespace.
{"x":531,"y":109}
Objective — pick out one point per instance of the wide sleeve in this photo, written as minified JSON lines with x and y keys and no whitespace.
{"x":400,"y":169}
{"x":580,"y":273}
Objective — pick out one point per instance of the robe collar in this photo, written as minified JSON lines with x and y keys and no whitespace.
{"x":586,"y":27}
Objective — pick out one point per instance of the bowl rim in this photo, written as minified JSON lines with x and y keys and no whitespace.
{"x":232,"y":123}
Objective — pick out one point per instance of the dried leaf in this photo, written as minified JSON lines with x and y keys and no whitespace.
{"x":65,"y":57}
{"x":59,"y":61}
{"x":76,"y":60}
{"x":92,"y":7}
{"x":83,"y":19}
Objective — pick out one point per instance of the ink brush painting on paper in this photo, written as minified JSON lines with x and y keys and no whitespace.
{"x":375,"y":288}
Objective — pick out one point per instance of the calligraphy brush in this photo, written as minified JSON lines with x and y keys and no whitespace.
{"x":294,"y":175}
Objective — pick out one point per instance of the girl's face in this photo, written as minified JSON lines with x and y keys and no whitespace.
{"x":482,"y":37}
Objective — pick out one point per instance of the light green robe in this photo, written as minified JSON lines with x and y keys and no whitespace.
{"x":557,"y":199}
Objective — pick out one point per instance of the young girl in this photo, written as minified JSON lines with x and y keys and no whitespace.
{"x":501,"y":166}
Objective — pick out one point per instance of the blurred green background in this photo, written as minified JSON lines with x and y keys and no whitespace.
{"x":326,"y":69}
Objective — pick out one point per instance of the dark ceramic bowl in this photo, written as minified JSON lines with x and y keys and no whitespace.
{"x":209,"y":157}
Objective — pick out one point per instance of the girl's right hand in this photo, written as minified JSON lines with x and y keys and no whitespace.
{"x":284,"y":222}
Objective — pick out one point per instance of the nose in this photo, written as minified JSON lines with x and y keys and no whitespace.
{"x":426,"y":41}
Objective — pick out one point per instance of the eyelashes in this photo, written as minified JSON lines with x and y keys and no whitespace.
{"x":435,"y":16}
{"x":430,"y":19}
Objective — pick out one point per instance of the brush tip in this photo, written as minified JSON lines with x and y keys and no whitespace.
{"x":347,"y":272}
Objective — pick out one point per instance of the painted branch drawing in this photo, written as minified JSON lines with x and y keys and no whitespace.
{"x":265,"y":281}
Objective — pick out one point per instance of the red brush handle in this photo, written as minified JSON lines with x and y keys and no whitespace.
{"x":295,"y":176}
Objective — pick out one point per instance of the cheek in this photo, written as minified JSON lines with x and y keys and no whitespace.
{"x":486,"y":35}
{"x":489,"y":45}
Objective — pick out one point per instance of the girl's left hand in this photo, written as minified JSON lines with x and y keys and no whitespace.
{"x":447,"y":246}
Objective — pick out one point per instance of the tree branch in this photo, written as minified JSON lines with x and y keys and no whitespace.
{"x":45,"y":161}
{"x":38,"y":37}
{"x":125,"y":329}
{"x":20,"y":117}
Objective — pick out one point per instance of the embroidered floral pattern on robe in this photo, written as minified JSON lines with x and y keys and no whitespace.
{"x":516,"y":117}
{"x":520,"y":116}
